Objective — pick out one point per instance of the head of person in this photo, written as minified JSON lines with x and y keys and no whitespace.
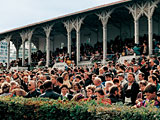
{"x":158,"y":96}
{"x":116,"y":81}
{"x":78,"y":78}
{"x":150,"y":91}
{"x":152,"y":79}
{"x":78,"y":97}
{"x":99,"y":92}
{"x":25,"y":79}
{"x":108,"y":84}
{"x":97,"y":81}
{"x":39,"y":83}
{"x":108,"y":77}
{"x":59,"y":81}
{"x":54,"y":79}
{"x":65,"y":76}
{"x":76,"y":86}
{"x":5,"y":87}
{"x":71,"y":77}
{"x":14,"y":85}
{"x":19,"y":92}
{"x":141,"y":76}
{"x":64,"y":89}
{"x":47,"y":84}
{"x":135,"y":67}
{"x":90,"y":90}
{"x":120,"y":76}
{"x":8,"y":79}
{"x":142,"y":85}
{"x":114,"y":90}
{"x":32,"y":85}
{"x":131,"y":77}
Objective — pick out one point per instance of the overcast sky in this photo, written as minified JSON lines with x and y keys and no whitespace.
{"x":17,"y":13}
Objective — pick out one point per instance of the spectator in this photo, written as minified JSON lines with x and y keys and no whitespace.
{"x":49,"y":93}
{"x":130,"y":90}
{"x":5,"y":89}
{"x":33,"y":92}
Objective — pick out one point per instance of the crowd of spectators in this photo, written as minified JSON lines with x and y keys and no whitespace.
{"x":135,"y":83}
{"x":94,"y":53}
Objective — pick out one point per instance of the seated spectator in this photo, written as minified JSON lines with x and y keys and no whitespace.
{"x":49,"y":93}
{"x":114,"y":94}
{"x":98,"y":83}
{"x":108,"y":84}
{"x":19,"y":92}
{"x":5,"y":89}
{"x":90,"y":92}
{"x":141,"y":94}
{"x":150,"y":92}
{"x":101,"y":97}
{"x":153,"y":79}
{"x":33,"y":92}
{"x":65,"y":92}
{"x":78,"y":97}
{"x":76,"y":88}
{"x":158,"y":99}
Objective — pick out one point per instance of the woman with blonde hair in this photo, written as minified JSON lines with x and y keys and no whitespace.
{"x":66,"y":81}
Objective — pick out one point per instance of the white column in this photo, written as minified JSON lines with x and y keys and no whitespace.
{"x":47,"y":30}
{"x":136,"y":10}
{"x":29,"y":47}
{"x":104,"y":16}
{"x":17,"y":53}
{"x":77,"y":26}
{"x":29,"y":52}
{"x":136,"y":31}
{"x":104,"y":43}
{"x":23,"y":52}
{"x":148,"y":11}
{"x":150,"y":35}
{"x":78,"y":46}
{"x":68,"y":25}
{"x":24,"y":37}
{"x":8,"y":38}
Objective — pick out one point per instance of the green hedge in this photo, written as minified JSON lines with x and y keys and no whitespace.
{"x":47,"y":109}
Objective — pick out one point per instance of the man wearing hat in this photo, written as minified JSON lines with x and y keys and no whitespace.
{"x":122,"y":80}
{"x":136,"y":69}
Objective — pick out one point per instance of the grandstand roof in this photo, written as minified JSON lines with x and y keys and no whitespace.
{"x":67,"y":15}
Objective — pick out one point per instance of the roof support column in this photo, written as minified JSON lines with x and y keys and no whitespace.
{"x":77,"y":26}
{"x":68,"y":25}
{"x":136,"y":10}
{"x":47,"y":30}
{"x":24,"y":36}
{"x":8,"y":38}
{"x":148,"y":11}
{"x":30,"y":33}
{"x":17,"y":53}
{"x":104,"y":16}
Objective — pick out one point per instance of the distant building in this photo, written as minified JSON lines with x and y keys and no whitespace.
{"x":3,"y":51}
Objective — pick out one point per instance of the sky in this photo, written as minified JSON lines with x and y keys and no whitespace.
{"x":17,"y":13}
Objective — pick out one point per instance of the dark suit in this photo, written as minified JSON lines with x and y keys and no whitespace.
{"x":133,"y":92}
{"x":35,"y":93}
{"x":50,"y":94}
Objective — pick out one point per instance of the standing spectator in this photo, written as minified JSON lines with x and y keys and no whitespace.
{"x":130,"y":90}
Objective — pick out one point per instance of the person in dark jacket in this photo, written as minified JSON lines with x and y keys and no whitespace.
{"x":33,"y":92}
{"x":113,"y":94}
{"x":49,"y":93}
{"x":130,"y":90}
